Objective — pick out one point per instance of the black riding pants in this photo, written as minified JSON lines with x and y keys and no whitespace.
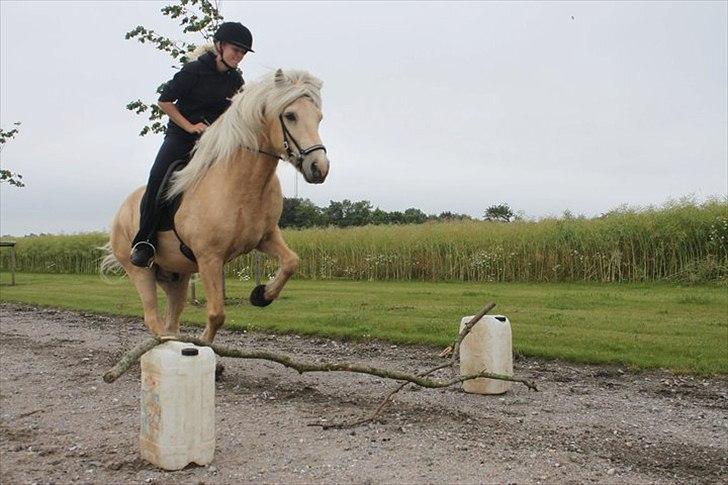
{"x":174,"y":148}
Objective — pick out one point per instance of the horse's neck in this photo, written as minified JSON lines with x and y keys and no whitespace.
{"x":249,"y":172}
{"x":244,"y":185}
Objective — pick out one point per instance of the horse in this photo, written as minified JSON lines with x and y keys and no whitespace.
{"x":231,"y":200}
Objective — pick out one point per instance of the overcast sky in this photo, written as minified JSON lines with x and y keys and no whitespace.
{"x":440,"y":106}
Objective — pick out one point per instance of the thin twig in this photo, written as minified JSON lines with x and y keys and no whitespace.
{"x":454,"y":348}
{"x":466,"y":330}
{"x":381,"y":406}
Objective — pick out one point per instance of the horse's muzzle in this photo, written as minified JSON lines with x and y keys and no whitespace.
{"x":317,"y":172}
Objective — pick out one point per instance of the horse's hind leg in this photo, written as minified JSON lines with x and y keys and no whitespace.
{"x":274,"y":245}
{"x":176,"y":297}
{"x":146,"y":285}
{"x":211,"y":276}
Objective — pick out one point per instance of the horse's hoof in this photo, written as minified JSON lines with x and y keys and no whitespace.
{"x":257,"y":296}
{"x":219,"y":368}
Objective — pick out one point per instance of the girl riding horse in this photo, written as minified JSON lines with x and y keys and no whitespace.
{"x":230,"y":200}
{"x":195,"y":97}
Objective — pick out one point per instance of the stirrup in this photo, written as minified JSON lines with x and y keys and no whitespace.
{"x":154,"y":251}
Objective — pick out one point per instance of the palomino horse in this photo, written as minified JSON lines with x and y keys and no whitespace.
{"x":231,"y":199}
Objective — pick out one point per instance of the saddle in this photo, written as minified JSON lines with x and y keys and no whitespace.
{"x":168,"y":208}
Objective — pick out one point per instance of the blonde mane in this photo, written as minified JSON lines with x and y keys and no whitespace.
{"x":242,"y":124}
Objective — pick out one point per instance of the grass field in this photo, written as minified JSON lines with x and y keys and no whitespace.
{"x":640,"y":325}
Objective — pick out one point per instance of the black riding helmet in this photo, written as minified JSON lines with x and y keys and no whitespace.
{"x":235,"y":33}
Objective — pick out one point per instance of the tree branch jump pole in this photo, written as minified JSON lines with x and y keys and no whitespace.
{"x":421,"y":379}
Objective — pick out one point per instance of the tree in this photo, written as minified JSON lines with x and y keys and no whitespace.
{"x":357,"y":213}
{"x":299,"y":213}
{"x":7,"y":176}
{"x":414,"y":216}
{"x":347,"y":213}
{"x":308,"y":214}
{"x":379,"y":216}
{"x":288,"y":213}
{"x":500,"y":212}
{"x":453,"y":216}
{"x":334,"y":213}
{"x":194,"y":16}
{"x":396,"y":217}
{"x":302,"y":213}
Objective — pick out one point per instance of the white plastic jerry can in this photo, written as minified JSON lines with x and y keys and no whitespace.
{"x":488,"y":347}
{"x":178,"y":405}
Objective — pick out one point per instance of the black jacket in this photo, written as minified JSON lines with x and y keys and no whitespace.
{"x":201,"y":91}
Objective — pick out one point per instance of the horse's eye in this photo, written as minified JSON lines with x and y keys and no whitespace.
{"x":291,"y":116}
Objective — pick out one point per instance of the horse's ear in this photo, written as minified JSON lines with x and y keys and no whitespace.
{"x":280,"y":78}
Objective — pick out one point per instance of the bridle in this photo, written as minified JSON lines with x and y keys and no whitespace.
{"x":302,"y":153}
{"x":296,"y":160}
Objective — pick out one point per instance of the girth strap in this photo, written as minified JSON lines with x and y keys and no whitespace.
{"x":184,"y":249}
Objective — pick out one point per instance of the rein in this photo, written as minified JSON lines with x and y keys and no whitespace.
{"x":272,"y":155}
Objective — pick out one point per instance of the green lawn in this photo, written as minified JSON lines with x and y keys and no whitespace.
{"x":641,"y":325}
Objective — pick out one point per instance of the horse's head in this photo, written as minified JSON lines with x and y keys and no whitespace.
{"x":293,"y":129}
{"x":278,"y":115}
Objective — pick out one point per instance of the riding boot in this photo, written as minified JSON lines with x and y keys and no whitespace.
{"x":142,"y":254}
{"x":144,"y":245}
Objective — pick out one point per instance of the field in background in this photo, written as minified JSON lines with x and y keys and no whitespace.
{"x":639,"y":325}
{"x":685,"y":242}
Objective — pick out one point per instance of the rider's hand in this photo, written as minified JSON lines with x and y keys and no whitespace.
{"x":197,"y":129}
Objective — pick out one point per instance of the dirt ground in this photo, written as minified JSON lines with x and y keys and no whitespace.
{"x":60,"y":423}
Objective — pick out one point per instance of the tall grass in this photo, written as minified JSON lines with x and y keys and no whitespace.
{"x":76,"y":253}
{"x":681,"y":241}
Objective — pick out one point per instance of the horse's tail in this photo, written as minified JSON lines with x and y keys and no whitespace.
{"x":109,"y":264}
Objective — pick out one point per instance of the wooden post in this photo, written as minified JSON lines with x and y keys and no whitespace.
{"x":193,"y":295}
{"x":11,"y":245}
{"x":257,"y":268}
{"x":223,"y":284}
{"x":12,"y":264}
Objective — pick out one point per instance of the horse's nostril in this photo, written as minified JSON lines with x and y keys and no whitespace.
{"x":315,"y":170}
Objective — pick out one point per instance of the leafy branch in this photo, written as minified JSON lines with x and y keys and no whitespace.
{"x":7,"y":176}
{"x":194,"y":17}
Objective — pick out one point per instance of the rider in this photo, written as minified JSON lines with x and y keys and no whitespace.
{"x":202,"y":90}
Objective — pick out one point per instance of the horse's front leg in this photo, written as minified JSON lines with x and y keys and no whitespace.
{"x":211,"y":276}
{"x":274,"y":245}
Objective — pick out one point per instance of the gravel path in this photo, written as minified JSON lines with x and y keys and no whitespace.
{"x":60,"y":423}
